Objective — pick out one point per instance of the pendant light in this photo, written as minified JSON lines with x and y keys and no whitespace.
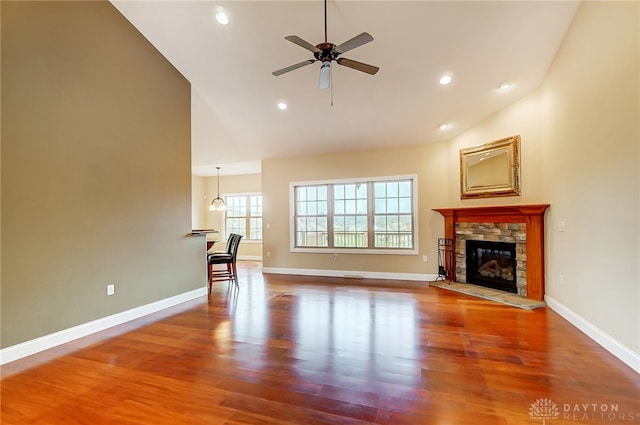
{"x":218,"y":203}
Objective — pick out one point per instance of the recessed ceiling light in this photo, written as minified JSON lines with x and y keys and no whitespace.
{"x":282,"y":106}
{"x":446,"y":79}
{"x":222,"y":17}
{"x":504,"y":86}
{"x":444,"y":126}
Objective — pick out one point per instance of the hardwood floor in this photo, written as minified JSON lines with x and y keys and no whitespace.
{"x":308,"y":350}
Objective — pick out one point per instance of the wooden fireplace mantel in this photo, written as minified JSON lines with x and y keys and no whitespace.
{"x":531,"y":215}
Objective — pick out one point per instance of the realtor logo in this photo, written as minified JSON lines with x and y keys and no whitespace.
{"x":543,"y":409}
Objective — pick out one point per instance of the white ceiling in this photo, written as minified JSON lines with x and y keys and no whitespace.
{"x":235,"y":121}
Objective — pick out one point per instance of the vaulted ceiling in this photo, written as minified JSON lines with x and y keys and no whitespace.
{"x":235,"y":118}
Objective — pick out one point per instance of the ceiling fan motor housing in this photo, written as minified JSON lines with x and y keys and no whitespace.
{"x":327,"y":52}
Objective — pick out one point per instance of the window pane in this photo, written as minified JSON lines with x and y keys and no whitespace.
{"x":392,"y":189}
{"x":361,"y":206}
{"x":322,"y":207}
{"x":235,"y":225}
{"x":350,"y":223}
{"x":393,"y":230}
{"x":255,"y":227}
{"x":350,"y":191}
{"x":311,"y":220}
{"x":312,"y":208}
{"x":256,"y":206}
{"x":239,"y":207}
{"x":392,"y":223}
{"x":404,"y":188}
{"x":350,"y":206}
{"x":352,"y":214}
{"x":405,"y":223}
{"x":405,"y":205}
{"x":350,"y":232}
{"x":392,"y":205}
{"x":311,"y":193}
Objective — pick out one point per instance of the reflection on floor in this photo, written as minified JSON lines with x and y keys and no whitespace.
{"x":297,"y":350}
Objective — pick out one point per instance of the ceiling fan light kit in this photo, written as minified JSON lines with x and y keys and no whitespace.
{"x":328,"y":52}
{"x":325,"y":75}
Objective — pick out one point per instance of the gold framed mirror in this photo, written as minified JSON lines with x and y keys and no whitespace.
{"x":491,"y":170}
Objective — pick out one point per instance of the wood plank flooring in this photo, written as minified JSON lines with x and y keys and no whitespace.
{"x":307,"y":350}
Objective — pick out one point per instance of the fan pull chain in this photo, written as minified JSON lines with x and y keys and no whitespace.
{"x":331,"y":71}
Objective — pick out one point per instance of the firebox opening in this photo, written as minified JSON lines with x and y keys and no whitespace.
{"x":492,"y":264}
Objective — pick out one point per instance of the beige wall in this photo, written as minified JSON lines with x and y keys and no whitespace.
{"x":246,"y":183}
{"x":427,"y":161}
{"x":580,"y":153}
{"x":590,"y":108}
{"x":95,"y":170}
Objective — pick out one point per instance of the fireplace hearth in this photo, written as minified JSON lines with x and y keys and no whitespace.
{"x":491,"y":264}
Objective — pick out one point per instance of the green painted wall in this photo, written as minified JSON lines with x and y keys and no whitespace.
{"x":96,"y":169}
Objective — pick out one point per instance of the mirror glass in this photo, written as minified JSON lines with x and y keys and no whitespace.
{"x":492,"y":169}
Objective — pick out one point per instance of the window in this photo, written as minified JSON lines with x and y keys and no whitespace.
{"x":244,"y":216}
{"x":311,"y":216}
{"x":373,"y":215}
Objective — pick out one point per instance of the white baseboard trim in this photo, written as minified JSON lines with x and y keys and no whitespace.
{"x":45,"y":342}
{"x":351,"y":274}
{"x":622,"y":352}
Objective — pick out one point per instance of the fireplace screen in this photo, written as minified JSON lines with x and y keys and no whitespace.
{"x":492,"y":264}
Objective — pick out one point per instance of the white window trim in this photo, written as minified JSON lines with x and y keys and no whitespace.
{"x":333,"y":250}
{"x":223,"y":225}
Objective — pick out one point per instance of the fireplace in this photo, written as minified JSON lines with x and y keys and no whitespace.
{"x":519,"y":224}
{"x":491,"y":264}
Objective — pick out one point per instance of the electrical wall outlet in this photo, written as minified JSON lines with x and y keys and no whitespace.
{"x":335,"y":257}
{"x":111,"y":289}
{"x":425,"y":258}
{"x":561,"y":227}
{"x":268,"y":254}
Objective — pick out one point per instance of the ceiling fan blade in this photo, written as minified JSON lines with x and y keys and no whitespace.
{"x":349,"y":63}
{"x":300,"y":42}
{"x":292,"y":67}
{"x":356,"y":41}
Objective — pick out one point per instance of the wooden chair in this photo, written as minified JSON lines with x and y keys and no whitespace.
{"x":228,"y":257}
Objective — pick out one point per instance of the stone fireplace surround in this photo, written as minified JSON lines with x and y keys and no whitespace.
{"x":523,"y":224}
{"x":492,"y":232}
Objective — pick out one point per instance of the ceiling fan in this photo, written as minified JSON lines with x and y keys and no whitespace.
{"x":328,"y":52}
